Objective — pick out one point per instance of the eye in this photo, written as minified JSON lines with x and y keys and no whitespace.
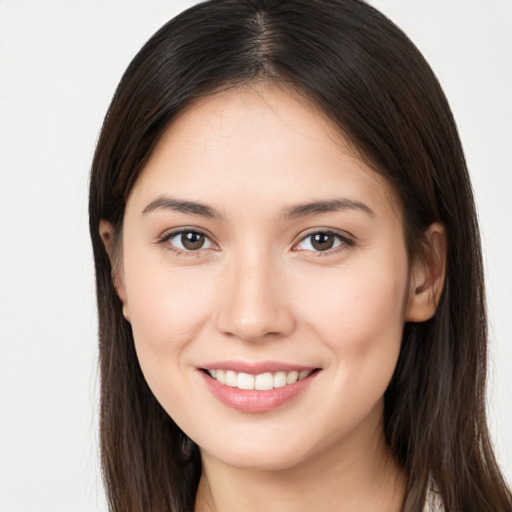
{"x":322,"y":241}
{"x":188,"y":241}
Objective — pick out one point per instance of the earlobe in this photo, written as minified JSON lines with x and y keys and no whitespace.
{"x":106,"y":231}
{"x":427,"y":277}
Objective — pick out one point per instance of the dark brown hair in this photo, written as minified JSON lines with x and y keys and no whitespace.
{"x":364,"y":73}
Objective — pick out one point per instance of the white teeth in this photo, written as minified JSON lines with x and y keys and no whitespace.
{"x":245,"y":381}
{"x":262,"y":382}
{"x":279,"y":379}
{"x":231,"y":379}
{"x":303,"y":374}
{"x":292,"y":377}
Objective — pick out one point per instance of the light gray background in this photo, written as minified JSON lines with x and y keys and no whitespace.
{"x":59,"y":64}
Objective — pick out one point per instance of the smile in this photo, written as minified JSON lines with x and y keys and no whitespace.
{"x":261,"y":382}
{"x":255,"y":390}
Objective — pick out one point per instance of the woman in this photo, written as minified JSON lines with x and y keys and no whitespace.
{"x":289,"y":277}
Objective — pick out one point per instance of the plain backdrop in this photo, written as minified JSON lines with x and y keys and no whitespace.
{"x":60,"y":62}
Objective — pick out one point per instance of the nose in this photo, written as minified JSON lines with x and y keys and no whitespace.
{"x":254,"y":306}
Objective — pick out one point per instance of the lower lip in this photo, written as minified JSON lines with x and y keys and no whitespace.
{"x":253,"y":400}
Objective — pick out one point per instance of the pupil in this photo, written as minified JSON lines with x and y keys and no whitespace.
{"x":322,"y":241}
{"x":192,"y":241}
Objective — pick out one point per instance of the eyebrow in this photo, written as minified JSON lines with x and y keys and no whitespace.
{"x":181,"y":206}
{"x":332,"y":205}
{"x":292,"y":212}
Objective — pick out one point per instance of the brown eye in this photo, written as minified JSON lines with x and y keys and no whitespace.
{"x":188,"y":241}
{"x":192,"y":241}
{"x":322,"y":241}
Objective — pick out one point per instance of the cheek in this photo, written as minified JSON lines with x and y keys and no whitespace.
{"x":359,"y":318}
{"x":168,"y":308}
{"x":359,"y":315}
{"x":358,"y":303}
{"x":369,"y":311}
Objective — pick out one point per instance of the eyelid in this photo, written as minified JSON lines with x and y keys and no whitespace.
{"x":165,"y":238}
{"x":347,"y":239}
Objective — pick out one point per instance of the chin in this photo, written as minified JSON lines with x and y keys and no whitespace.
{"x":262,"y":453}
{"x":261,"y":460}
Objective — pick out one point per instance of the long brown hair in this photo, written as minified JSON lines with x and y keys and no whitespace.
{"x":363,"y":72}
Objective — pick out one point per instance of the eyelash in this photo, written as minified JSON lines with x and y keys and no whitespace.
{"x":345,"y":242}
{"x":165,"y":240}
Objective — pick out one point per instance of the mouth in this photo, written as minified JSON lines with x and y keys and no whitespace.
{"x":254,"y":390}
{"x":260,"y":382}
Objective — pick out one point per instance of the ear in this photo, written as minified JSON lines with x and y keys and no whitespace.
{"x":427,"y":276}
{"x":107,"y":236}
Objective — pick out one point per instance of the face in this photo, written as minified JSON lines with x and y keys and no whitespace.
{"x":265,"y":276}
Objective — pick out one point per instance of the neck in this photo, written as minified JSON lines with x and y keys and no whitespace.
{"x":350,"y":476}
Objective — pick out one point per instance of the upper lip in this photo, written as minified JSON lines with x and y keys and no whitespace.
{"x":256,"y":368}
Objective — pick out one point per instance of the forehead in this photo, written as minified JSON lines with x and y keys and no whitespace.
{"x":258,"y":143}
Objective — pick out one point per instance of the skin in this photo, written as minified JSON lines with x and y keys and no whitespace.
{"x":258,"y":291}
